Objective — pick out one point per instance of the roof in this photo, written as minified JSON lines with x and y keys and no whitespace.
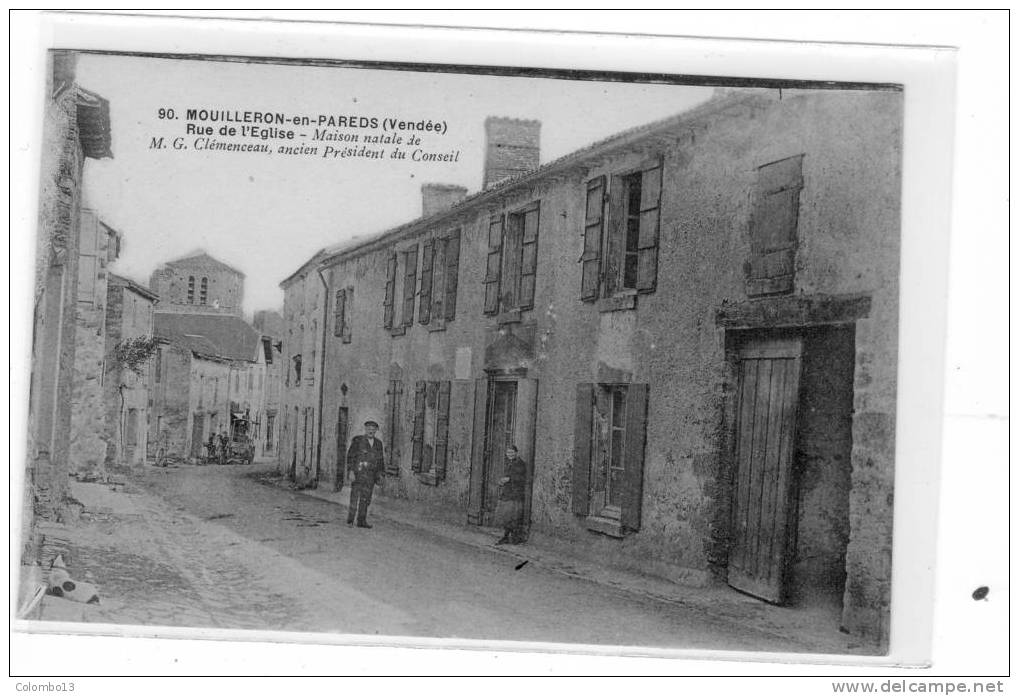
{"x":209,"y":335}
{"x":713,"y":106}
{"x":307,"y":265}
{"x":93,"y":114}
{"x":201,"y":254}
{"x":136,"y":287}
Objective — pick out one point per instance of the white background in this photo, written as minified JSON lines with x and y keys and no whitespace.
{"x":972,"y":526}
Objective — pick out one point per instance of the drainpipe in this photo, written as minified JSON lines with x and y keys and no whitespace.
{"x":321,"y":367}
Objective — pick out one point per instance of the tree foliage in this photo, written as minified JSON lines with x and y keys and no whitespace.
{"x":134,"y":353}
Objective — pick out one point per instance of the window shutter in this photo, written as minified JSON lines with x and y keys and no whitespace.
{"x":582,"y":449}
{"x":395,"y":395}
{"x":528,"y":258}
{"x":773,"y":227}
{"x":410,"y":278}
{"x":493,"y":269}
{"x":476,"y":483}
{"x":338,"y":312}
{"x":441,"y":430}
{"x":419,"y":426}
{"x":387,"y":315}
{"x":425,"y":303}
{"x":348,"y":303}
{"x":452,"y":271}
{"x":594,"y":220}
{"x":650,"y":219}
{"x":616,"y":231}
{"x":438,"y":279}
{"x":633,"y":473}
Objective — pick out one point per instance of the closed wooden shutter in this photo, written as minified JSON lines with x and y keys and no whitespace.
{"x":441,"y":430}
{"x":452,"y":272}
{"x":438,"y":279}
{"x":348,"y":302}
{"x":395,"y":395}
{"x":615,"y":247}
{"x":476,"y":497}
{"x":338,"y":312}
{"x":387,"y":314}
{"x":633,"y":473}
{"x":594,"y":223}
{"x":418,"y":436}
{"x":425,"y":294}
{"x":528,"y":258}
{"x":650,"y":218}
{"x":582,"y":449}
{"x":493,"y":269}
{"x":773,"y":227}
{"x":410,"y":276}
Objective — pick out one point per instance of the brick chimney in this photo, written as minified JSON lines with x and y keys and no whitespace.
{"x":512,"y":147}
{"x":438,"y":197}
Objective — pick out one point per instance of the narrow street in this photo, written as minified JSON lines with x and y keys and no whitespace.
{"x":215,"y":547}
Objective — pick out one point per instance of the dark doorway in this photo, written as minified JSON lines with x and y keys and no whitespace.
{"x":197,"y":442}
{"x":499,"y":434}
{"x":342,"y":427}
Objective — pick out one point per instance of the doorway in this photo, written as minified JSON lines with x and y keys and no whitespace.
{"x":792,"y":474}
{"x":342,"y":426}
{"x":499,"y":434}
{"x":197,"y":441}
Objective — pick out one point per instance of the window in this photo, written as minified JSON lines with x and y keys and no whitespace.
{"x":431,"y":430}
{"x":409,"y":284}
{"x":203,"y":296}
{"x":237,"y":381}
{"x":159,"y":365}
{"x":773,"y":227}
{"x":251,"y":380}
{"x":341,"y":323}
{"x":425,"y":294}
{"x":387,"y":312}
{"x":191,"y":289}
{"x":394,"y":396}
{"x":131,"y":436}
{"x":297,"y":370}
{"x":309,"y":372}
{"x":621,"y":248}
{"x":512,"y":261}
{"x":608,"y":467}
{"x":440,"y":266}
{"x":270,"y":423}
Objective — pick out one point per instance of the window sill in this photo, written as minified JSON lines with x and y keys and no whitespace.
{"x":398,"y":331}
{"x":436,"y":326}
{"x":428,"y":478}
{"x":509,"y":317}
{"x":604,"y":525}
{"x":619,"y":302}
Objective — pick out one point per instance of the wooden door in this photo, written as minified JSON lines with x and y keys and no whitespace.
{"x":342,"y":426}
{"x":500,"y":434}
{"x":764,"y":500}
{"x":197,"y":443}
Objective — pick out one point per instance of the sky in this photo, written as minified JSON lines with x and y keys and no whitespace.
{"x":267,"y":214}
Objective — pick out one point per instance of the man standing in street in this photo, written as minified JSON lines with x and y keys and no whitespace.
{"x":365,"y":463}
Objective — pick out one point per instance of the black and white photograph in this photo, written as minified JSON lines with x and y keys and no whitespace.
{"x":464,"y":354}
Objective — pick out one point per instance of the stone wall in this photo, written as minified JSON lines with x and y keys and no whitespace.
{"x":673,"y":339}
{"x":225,"y":287}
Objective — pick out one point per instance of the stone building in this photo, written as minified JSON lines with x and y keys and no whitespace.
{"x":207,"y":378}
{"x":688,"y":329}
{"x":99,"y":245}
{"x":270,"y":324}
{"x":76,"y":126}
{"x":198,"y":283}
{"x":303,"y":303}
{"x":129,"y":311}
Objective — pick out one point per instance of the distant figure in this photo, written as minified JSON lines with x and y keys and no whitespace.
{"x":509,"y":513}
{"x":223,"y":448}
{"x":365,"y":464}
{"x":210,"y":449}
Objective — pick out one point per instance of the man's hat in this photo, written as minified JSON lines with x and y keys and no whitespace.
{"x":370,"y":422}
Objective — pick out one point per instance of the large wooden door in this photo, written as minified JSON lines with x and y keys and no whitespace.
{"x":764,"y":500}
{"x":500,"y":434}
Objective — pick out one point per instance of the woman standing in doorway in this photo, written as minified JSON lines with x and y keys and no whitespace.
{"x":510,"y":511}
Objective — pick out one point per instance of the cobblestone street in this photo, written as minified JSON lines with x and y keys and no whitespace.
{"x":214,"y":547}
